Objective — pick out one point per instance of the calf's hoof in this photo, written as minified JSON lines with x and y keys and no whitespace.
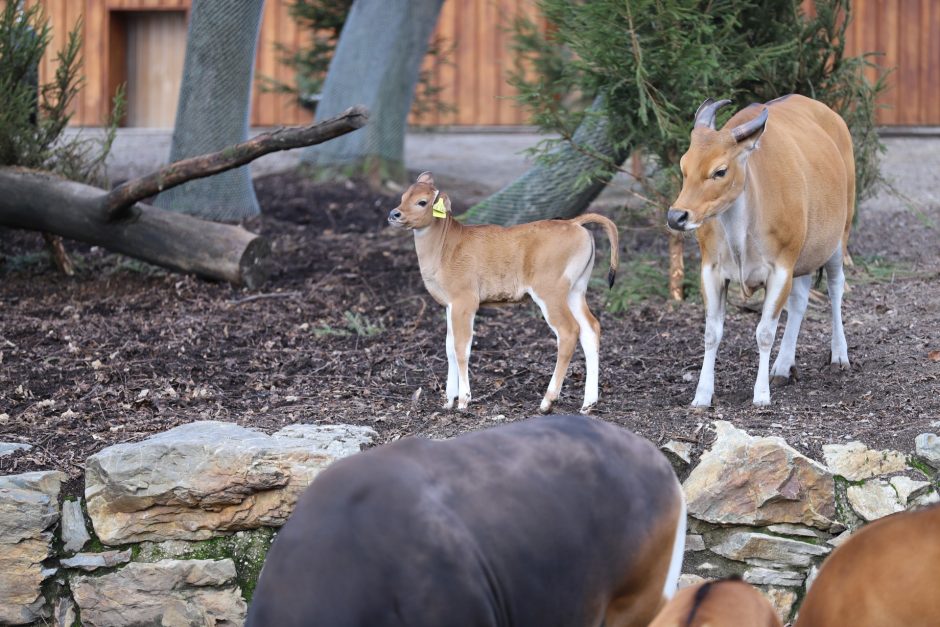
{"x":588,"y":408}
{"x":449,"y":404}
{"x":837,"y":367}
{"x":546,"y":406}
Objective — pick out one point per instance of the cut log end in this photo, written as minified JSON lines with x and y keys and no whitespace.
{"x":254,"y":268}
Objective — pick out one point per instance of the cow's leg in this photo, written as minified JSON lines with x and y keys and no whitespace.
{"x":554,"y":306}
{"x":785,"y":364}
{"x":459,"y":337}
{"x":589,"y":332}
{"x":714,"y":290}
{"x":835,"y":280}
{"x":777,"y":291}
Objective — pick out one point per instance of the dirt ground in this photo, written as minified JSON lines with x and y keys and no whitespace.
{"x":345,"y":332}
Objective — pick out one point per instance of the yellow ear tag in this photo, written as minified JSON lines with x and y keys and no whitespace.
{"x":438,"y":210}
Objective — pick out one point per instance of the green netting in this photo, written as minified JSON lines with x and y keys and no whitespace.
{"x":214,"y":105}
{"x":551,"y":189}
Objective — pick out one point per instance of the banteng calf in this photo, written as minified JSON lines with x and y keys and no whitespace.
{"x":464,"y":267}
{"x":556,"y":520}
{"x":772,"y":196}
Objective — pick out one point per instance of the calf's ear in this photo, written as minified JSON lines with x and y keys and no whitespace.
{"x":425,"y":177}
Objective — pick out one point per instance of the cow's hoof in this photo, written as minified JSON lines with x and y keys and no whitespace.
{"x":838,"y":367}
{"x":448,"y":405}
{"x":761,"y":402}
{"x":545,"y":407}
{"x":779,"y":381}
{"x":587,"y":409}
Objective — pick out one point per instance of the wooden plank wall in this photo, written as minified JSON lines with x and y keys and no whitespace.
{"x":153,"y":88}
{"x":908,"y":34}
{"x":472,"y":75}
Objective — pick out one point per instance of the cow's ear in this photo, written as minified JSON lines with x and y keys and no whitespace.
{"x":748,"y":134}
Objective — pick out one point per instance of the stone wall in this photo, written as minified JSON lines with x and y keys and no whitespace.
{"x":761,"y":510}
{"x":173,"y":530}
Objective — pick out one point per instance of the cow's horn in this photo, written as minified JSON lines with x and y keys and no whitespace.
{"x":705,"y":116}
{"x":749,"y":128}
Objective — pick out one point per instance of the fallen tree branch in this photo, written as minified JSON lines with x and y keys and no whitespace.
{"x":126,"y":195}
{"x":39,"y":201}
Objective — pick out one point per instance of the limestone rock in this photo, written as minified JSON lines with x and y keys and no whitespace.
{"x":202,"y":479}
{"x":74,"y":533}
{"x":680,"y":452}
{"x":782,"y":600}
{"x":811,"y":575}
{"x":8,"y":448}
{"x":771,"y":576}
{"x":29,"y":508}
{"x":840,"y":539}
{"x":747,"y":546}
{"x":873,"y":500}
{"x":788,"y":529}
{"x":908,"y":488}
{"x":758,"y":481}
{"x":65,"y":612}
{"x":927,"y":445}
{"x":94,"y":561}
{"x":855,"y":461}
{"x":926,"y":499}
{"x":688,"y":580}
{"x":694,"y":543}
{"x":169,"y":593}
{"x":336,"y":440}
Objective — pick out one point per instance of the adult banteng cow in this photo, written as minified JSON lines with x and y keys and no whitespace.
{"x":771,"y":196}
{"x":554,"y":521}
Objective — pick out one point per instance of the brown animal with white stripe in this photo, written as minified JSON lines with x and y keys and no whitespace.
{"x":464,"y":267}
{"x":722,"y":603}
{"x":771,"y":195}
{"x":886,"y":575}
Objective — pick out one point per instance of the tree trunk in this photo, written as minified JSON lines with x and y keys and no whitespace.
{"x":376,"y":62}
{"x":39,"y":201}
{"x":214,"y":103}
{"x":547,"y":190}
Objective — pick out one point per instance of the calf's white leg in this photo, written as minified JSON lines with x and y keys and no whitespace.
{"x":589,"y":335}
{"x":714,"y":289}
{"x":785,"y":364}
{"x":459,"y":337}
{"x":562,"y":322}
{"x":452,"y":380}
